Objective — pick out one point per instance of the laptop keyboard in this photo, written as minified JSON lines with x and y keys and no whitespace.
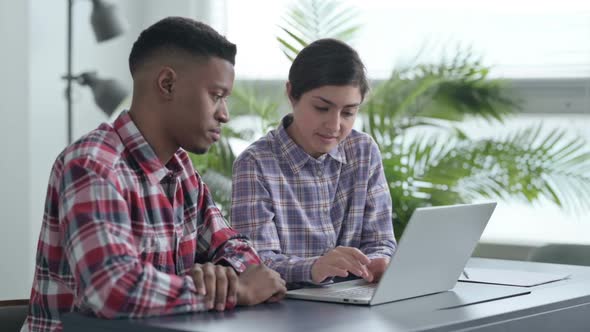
{"x":360,"y":291}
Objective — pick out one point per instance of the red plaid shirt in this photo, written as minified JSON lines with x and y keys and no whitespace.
{"x":121,"y":232}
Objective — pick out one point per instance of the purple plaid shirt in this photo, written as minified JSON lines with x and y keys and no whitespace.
{"x":295,"y":208}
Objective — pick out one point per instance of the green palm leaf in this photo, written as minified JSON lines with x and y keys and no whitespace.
{"x":250,"y":102}
{"x":309,"y":20}
{"x":215,"y":167}
{"x":450,"y":90}
{"x":526,"y":165}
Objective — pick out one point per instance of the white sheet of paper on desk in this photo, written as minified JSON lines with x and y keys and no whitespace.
{"x":510,"y":277}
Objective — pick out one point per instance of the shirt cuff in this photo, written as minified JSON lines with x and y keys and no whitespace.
{"x":379,"y":254}
{"x":295,"y":271}
{"x":235,"y":263}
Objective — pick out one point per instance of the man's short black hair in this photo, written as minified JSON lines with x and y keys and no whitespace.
{"x":180,"y":33}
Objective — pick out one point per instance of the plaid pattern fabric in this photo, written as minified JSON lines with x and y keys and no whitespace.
{"x":113,"y":244}
{"x":295,"y":208}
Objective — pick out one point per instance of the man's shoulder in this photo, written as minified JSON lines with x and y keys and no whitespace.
{"x":102,"y":145}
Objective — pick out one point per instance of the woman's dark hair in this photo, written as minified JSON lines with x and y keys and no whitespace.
{"x":179,"y":33}
{"x":327,"y":62}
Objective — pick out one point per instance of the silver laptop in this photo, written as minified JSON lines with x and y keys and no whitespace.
{"x":430,"y":257}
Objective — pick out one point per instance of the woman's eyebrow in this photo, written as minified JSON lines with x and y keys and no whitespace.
{"x":327,"y":101}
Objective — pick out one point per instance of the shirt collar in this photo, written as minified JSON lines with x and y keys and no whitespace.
{"x":295,"y":155}
{"x":141,"y":150}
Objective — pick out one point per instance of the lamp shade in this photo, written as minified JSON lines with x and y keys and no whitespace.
{"x":105,"y":21}
{"x":108,"y":93}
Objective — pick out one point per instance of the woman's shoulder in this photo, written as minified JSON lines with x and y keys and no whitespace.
{"x":358,"y":143}
{"x":362,"y":150}
{"x":261,"y":149}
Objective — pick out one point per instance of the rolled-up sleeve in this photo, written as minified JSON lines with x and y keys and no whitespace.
{"x":219,"y":240}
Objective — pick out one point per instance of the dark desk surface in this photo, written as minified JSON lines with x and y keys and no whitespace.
{"x":546,"y":308}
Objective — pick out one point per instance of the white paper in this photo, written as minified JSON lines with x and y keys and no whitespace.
{"x":509,"y":277}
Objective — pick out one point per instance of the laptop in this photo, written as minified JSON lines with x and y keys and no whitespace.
{"x":430,"y":257}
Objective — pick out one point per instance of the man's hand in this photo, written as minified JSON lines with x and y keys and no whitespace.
{"x":377,"y":267}
{"x":258,"y":284}
{"x":339,"y":262}
{"x":219,"y":285}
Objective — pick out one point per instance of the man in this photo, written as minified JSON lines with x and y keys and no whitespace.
{"x":130,"y":229}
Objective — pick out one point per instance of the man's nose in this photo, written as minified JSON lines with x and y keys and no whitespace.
{"x":222,"y":113}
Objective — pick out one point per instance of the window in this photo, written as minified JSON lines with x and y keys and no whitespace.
{"x":521,"y":39}
{"x":542,"y":46}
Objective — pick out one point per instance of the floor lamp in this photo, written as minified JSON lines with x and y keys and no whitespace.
{"x":108,"y":93}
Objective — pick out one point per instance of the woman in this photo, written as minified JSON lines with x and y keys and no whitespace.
{"x":311,"y":194}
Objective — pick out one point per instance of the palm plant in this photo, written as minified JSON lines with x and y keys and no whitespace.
{"x":306,"y":21}
{"x":427,"y":167}
{"x":415,"y":118}
{"x":215,"y":167}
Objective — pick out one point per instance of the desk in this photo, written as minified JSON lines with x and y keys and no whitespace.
{"x":557,"y":306}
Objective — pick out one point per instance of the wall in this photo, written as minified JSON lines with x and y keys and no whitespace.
{"x":15,"y":245}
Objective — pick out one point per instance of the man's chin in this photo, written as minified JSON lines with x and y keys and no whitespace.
{"x":198,"y":150}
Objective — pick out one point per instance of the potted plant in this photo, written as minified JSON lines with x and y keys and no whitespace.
{"x":415,"y":118}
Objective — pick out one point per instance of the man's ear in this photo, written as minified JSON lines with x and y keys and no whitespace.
{"x":166,"y":82}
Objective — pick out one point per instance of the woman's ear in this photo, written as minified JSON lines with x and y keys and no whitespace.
{"x":166,"y":83}
{"x":288,"y":89}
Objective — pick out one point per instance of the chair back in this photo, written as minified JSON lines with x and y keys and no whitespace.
{"x":13,"y":314}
